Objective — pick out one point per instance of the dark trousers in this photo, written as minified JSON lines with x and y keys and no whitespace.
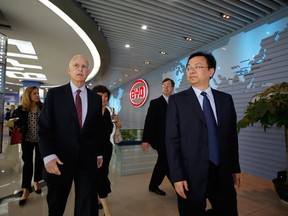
{"x":85,"y":195}
{"x":224,"y":202}
{"x":160,"y":170}
{"x":28,"y":157}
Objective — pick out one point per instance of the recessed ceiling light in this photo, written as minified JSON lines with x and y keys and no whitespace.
{"x":225,"y":16}
{"x":136,"y":70}
{"x":127,"y":46}
{"x":144,"y":27}
{"x":162,"y":52}
{"x":146,"y":62}
{"x":125,"y":75}
{"x":188,"y":39}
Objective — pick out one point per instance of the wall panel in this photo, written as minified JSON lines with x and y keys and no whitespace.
{"x":261,"y":153}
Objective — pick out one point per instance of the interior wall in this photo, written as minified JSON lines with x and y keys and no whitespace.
{"x":261,"y":153}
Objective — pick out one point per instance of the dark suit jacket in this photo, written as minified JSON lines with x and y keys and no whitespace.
{"x":187,"y":141}
{"x":155,"y":123}
{"x":60,"y":133}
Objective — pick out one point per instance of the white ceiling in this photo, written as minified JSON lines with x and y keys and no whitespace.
{"x":114,"y":23}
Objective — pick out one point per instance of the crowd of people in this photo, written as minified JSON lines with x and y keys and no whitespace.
{"x":68,"y":140}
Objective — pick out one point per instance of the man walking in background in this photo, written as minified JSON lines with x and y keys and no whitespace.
{"x":154,"y":135}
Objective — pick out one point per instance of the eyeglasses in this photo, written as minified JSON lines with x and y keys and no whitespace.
{"x":166,"y":85}
{"x":197,"y":67}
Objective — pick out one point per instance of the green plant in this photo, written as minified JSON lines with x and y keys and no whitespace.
{"x":269,"y":107}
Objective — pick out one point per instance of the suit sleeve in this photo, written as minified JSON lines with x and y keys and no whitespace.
{"x":149,"y":127}
{"x":46,"y":135}
{"x":234,"y":137}
{"x":173,"y":142}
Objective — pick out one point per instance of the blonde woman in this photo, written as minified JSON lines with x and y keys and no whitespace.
{"x":28,"y":114}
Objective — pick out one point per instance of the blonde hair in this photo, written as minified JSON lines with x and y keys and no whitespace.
{"x":26,"y":101}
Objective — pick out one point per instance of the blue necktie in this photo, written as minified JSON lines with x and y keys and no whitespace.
{"x":212,"y":130}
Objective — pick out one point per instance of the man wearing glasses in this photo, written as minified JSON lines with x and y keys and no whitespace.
{"x":154,"y":135}
{"x":202,"y":143}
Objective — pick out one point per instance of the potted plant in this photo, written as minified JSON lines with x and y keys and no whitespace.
{"x":270,"y":108}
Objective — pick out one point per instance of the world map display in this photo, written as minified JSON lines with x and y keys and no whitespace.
{"x":233,"y":67}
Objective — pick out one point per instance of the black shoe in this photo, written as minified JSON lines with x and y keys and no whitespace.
{"x":100,"y":206}
{"x":22,"y":202}
{"x":39,"y":191}
{"x":158,"y":191}
{"x":209,"y":212}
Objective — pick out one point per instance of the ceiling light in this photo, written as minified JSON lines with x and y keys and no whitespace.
{"x":188,"y":39}
{"x":14,"y":68}
{"x":23,"y":46}
{"x":136,"y":70}
{"x":147,"y":62}
{"x":127,"y":46}
{"x":225,"y":16}
{"x":15,"y":63}
{"x":18,"y":55}
{"x":144,"y":27}
{"x":26,"y":76}
{"x":126,"y":75}
{"x":162,"y":52}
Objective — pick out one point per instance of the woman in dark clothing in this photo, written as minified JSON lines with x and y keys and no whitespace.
{"x":110,"y":122}
{"x":28,"y":114}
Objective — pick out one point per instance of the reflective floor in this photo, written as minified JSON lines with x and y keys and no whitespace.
{"x":130,"y":195}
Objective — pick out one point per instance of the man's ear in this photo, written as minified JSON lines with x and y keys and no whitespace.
{"x":211,"y":72}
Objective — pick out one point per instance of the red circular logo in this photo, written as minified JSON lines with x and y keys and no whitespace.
{"x":138,"y":93}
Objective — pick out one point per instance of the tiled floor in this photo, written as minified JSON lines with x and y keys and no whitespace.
{"x":130,"y":196}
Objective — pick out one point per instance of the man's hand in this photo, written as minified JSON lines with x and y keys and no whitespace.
{"x":52,"y":167}
{"x":99,"y":162}
{"x":237,"y":179}
{"x":181,"y":187}
{"x":145,"y":146}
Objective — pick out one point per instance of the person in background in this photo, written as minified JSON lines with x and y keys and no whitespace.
{"x":13,"y":114}
{"x":203,"y":166}
{"x":7,"y":114}
{"x":70,"y":132}
{"x":28,"y":114}
{"x":154,"y":135}
{"x":110,"y":122}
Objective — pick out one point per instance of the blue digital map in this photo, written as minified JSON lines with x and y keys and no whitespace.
{"x":235,"y":60}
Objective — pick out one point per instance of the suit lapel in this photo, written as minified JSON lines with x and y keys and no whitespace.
{"x":69,"y":101}
{"x":193,"y":102}
{"x":218,"y":103}
{"x":163,"y":102}
{"x":90,"y":103}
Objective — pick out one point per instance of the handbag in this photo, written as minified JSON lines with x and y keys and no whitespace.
{"x":117,"y":136}
{"x":10,"y":124}
{"x":16,"y":136}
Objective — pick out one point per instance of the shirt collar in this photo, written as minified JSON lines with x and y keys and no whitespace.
{"x":75,"y":88}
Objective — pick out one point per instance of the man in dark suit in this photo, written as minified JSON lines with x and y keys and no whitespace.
{"x":70,"y":142}
{"x":154,"y":135}
{"x":189,"y":146}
